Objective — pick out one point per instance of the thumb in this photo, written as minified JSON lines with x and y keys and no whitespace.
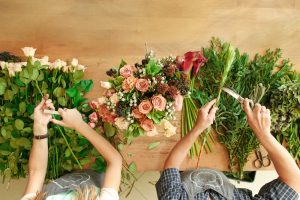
{"x":58,"y":122}
{"x":212,"y":112}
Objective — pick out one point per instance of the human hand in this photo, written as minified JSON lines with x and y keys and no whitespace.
{"x":259,"y":119}
{"x":206,"y":116}
{"x":41,"y":119}
{"x":71,"y":118}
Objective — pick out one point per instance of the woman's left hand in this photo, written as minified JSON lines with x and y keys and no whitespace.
{"x":41,"y":119}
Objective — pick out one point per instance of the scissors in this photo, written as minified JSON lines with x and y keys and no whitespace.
{"x":261,"y":161}
{"x":237,"y":96}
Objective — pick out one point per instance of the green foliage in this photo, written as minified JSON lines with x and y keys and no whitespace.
{"x":134,"y":130}
{"x":152,"y":68}
{"x":253,"y":79}
{"x":153,"y":145}
{"x":18,"y":96}
{"x":156,"y":116}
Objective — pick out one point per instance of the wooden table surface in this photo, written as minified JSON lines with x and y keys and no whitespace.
{"x":101,"y":33}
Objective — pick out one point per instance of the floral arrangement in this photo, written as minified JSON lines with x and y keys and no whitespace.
{"x":22,"y":85}
{"x":140,"y":96}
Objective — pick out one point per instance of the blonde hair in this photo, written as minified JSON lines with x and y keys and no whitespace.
{"x":81,"y":193}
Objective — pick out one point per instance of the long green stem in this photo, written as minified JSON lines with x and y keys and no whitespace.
{"x":67,"y":143}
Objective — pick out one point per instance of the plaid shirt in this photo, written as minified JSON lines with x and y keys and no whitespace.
{"x":169,"y":187}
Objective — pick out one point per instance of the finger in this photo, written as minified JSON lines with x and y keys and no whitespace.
{"x":41,"y":104}
{"x":207,"y":106}
{"x":263,"y":109}
{"x":212,"y":112}
{"x":257,"y":108}
{"x":58,"y":122}
{"x":268,"y":113}
{"x":246,"y":107}
{"x":61,"y":111}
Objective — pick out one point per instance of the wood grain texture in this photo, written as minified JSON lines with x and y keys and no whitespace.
{"x":100,"y":33}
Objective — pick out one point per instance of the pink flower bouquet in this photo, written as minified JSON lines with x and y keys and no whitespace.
{"x":142,"y":95}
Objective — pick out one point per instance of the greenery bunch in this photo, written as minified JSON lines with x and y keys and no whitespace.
{"x":22,"y":85}
{"x":255,"y":79}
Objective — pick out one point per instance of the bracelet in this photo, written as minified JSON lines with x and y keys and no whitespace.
{"x":40,"y":137}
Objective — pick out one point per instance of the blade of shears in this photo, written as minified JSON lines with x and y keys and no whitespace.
{"x":234,"y":94}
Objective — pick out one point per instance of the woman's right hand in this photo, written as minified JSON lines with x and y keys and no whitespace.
{"x":259,"y":120}
{"x":71,"y":118}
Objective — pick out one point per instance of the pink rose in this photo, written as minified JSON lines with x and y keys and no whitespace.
{"x":92,"y":124}
{"x":127,"y":71}
{"x":128,"y":84}
{"x":105,"y":114}
{"x":145,"y":107}
{"x":93,"y":117}
{"x":147,"y":124}
{"x":94,"y":105}
{"x":178,"y":102}
{"x":137,"y":114}
{"x":142,"y":85}
{"x":159,"y":102}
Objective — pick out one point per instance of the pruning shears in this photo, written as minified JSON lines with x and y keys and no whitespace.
{"x":237,"y":96}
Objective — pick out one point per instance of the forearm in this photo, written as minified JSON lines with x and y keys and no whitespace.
{"x":38,"y":161}
{"x":38,"y":158}
{"x":181,"y":149}
{"x":110,"y":154}
{"x":284,"y":163}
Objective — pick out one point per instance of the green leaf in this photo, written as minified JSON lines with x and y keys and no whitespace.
{"x":120,"y":147}
{"x":59,"y":92}
{"x":3,"y":86}
{"x":19,"y":124}
{"x":153,"y":145}
{"x":41,"y":76}
{"x":123,"y":63}
{"x":62,"y":101}
{"x":109,"y":130}
{"x":25,"y":142}
{"x":72,"y":92}
{"x":24,"y":76}
{"x":132,"y":167}
{"x":35,"y":74}
{"x":67,"y":153}
{"x":77,"y":75}
{"x":152,"y":68}
{"x":63,"y":83}
{"x":9,"y":95}
{"x":86,"y":85}
{"x":5,"y":133}
{"x":22,"y":107}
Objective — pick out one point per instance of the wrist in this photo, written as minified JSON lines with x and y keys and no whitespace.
{"x":39,"y":129}
{"x":78,"y":126}
{"x":198,"y":130}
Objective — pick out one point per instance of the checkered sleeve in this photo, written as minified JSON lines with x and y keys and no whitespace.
{"x":169,"y":186}
{"x":277,"y":189}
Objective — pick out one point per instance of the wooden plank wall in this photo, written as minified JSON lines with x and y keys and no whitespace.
{"x":100,"y":33}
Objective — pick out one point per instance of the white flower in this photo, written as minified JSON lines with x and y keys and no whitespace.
{"x":66,"y":68}
{"x":58,"y":64}
{"x":152,"y":133}
{"x":114,"y":98}
{"x":18,"y":67}
{"x":3,"y":64}
{"x":11,"y":69}
{"x":44,"y":60}
{"x":121,"y":123}
{"x":102,"y":100}
{"x":81,"y":67}
{"x":29,"y":51}
{"x":106,"y":85}
{"x":74,"y":62}
{"x":169,"y":129}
